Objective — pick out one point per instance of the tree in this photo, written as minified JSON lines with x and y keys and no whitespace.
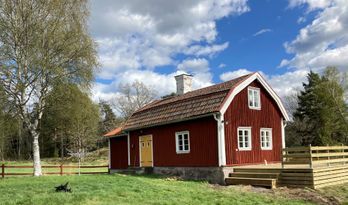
{"x":322,"y":111}
{"x":7,"y":126}
{"x":42,"y":42}
{"x":70,"y":119}
{"x":133,"y":97}
{"x":108,"y":119}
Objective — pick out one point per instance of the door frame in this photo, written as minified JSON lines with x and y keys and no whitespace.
{"x":140,"y":149}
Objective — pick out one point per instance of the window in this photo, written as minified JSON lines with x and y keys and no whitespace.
{"x":254,"y":98}
{"x":244,"y":138}
{"x":182,"y":142}
{"x":266,"y":138}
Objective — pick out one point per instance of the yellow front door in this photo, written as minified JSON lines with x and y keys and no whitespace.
{"x":145,"y":143}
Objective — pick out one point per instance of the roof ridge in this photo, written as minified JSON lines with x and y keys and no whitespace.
{"x":182,"y":97}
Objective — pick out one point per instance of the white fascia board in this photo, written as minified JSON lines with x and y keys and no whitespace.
{"x":244,"y":84}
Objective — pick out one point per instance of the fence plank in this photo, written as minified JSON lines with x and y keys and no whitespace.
{"x":315,"y":155}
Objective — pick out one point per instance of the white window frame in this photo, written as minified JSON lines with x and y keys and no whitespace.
{"x":177,"y":142}
{"x":257,"y":92}
{"x":249,"y":141}
{"x":269,"y":130}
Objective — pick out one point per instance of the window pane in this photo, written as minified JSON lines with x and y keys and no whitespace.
{"x":180,"y":142}
{"x":257,"y":98}
{"x":186,"y":147}
{"x":185,"y":136}
{"x":246,"y":133}
{"x":250,"y":97}
{"x":180,"y":147}
{"x":241,"y":145}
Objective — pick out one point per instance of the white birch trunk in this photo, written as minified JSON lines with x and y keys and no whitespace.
{"x":36,"y":154}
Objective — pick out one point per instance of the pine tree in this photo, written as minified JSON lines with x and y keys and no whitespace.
{"x":322,"y":111}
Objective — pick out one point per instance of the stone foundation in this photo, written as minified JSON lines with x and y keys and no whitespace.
{"x":214,"y":175}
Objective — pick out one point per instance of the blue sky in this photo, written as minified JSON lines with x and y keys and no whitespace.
{"x":216,"y":40}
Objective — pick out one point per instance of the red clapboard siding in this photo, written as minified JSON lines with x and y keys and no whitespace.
{"x":119,"y":152}
{"x":203,"y":144}
{"x":238,"y":114}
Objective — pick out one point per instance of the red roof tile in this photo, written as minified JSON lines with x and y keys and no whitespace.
{"x":114,"y":132}
{"x":192,"y":104}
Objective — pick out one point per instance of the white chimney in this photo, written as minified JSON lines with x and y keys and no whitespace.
{"x":183,"y":83}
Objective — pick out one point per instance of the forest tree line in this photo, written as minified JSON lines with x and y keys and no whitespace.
{"x":71,"y":121}
{"x":319,"y":111}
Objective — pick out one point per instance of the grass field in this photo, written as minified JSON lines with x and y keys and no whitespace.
{"x":123,"y":189}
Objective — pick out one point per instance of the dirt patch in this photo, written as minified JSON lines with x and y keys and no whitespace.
{"x":304,"y":194}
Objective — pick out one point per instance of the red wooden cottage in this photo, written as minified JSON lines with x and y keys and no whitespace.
{"x":201,"y":134}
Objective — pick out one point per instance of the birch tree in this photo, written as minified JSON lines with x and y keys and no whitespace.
{"x":42,"y":42}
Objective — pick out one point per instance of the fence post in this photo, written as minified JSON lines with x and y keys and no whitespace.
{"x":310,"y":157}
{"x":61,"y":170}
{"x":3,"y":171}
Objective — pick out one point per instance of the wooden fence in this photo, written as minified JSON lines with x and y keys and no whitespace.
{"x":321,"y":166}
{"x":324,"y":156}
{"x":59,"y":170}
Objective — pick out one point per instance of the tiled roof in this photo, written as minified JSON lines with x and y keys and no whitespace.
{"x":192,"y":104}
{"x":114,"y":132}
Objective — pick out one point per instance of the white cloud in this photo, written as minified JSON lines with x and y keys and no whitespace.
{"x":222,"y":65}
{"x":287,"y":83}
{"x":234,"y":74}
{"x":324,"y":42}
{"x":135,"y":38}
{"x":199,"y":50}
{"x":312,"y":4}
{"x":262,"y":31}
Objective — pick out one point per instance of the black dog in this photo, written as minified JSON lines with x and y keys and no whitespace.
{"x":63,"y":188}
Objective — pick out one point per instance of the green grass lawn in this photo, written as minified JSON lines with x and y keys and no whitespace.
{"x":125,"y":189}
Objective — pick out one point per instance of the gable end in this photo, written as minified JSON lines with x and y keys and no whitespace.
{"x":238,"y":88}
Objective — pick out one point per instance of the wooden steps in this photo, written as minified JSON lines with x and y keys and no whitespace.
{"x":265,"y":182}
{"x":315,"y":178}
{"x":253,"y":177}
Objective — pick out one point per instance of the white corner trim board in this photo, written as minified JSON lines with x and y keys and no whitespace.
{"x":128,"y":148}
{"x":109,"y":156}
{"x":244,"y":84}
{"x":221,"y":139}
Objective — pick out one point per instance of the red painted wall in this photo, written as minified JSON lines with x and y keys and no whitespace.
{"x":119,"y":152}
{"x":203,"y":144}
{"x":238,"y":114}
